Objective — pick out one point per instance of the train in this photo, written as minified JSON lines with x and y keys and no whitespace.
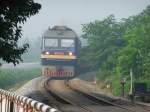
{"x":59,"y":54}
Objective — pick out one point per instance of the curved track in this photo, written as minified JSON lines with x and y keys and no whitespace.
{"x":97,"y":99}
{"x":65,"y":94}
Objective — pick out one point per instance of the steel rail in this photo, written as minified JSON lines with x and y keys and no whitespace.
{"x":11,"y":102}
{"x":85,"y":108}
{"x":93,"y":97}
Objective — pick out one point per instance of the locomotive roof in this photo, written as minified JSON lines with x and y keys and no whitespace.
{"x":60,"y":32}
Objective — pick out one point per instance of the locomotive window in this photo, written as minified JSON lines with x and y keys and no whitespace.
{"x":67,"y":43}
{"x":51,"y":42}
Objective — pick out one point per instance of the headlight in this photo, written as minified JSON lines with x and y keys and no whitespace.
{"x":47,"y":53}
{"x":70,"y":53}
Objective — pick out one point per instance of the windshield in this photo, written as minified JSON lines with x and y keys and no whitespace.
{"x":51,"y":42}
{"x":67,"y":43}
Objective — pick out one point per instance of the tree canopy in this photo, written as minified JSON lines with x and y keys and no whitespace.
{"x":136,"y":54}
{"x":104,"y":39}
{"x":14,"y":13}
{"x":116,"y":47}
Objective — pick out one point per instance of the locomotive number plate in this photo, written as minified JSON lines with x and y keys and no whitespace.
{"x":55,"y":72}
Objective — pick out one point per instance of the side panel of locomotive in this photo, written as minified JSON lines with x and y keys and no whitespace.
{"x":59,"y":53}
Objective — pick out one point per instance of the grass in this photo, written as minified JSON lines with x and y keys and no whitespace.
{"x":14,"y":77}
{"x":116,"y":87}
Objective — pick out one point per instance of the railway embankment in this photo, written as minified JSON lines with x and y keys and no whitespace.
{"x":35,"y":89}
{"x":90,"y":86}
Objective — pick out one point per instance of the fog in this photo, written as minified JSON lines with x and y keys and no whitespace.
{"x":73,"y":13}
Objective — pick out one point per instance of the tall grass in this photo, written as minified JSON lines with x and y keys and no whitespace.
{"x":11,"y":77}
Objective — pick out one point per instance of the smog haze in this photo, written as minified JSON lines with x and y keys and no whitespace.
{"x":73,"y":13}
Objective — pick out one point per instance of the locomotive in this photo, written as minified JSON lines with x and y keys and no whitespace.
{"x":59,"y":54}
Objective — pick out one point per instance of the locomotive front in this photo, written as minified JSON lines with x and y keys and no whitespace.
{"x":59,"y":53}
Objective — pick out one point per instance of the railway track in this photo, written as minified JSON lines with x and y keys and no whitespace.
{"x":98,"y":99}
{"x":94,"y":100}
{"x":64,"y":100}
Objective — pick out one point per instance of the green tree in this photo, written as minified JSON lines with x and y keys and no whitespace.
{"x":104,"y":39}
{"x":13,"y":13}
{"x":136,"y":54}
{"x":117,"y":47}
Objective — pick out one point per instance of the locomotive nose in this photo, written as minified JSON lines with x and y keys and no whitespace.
{"x":59,"y":53}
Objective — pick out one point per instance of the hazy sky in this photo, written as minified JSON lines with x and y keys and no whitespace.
{"x":73,"y":13}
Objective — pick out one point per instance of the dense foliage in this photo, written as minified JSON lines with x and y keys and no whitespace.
{"x":136,"y":54}
{"x":13,"y":13}
{"x":104,"y":38}
{"x":114,"y":48}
